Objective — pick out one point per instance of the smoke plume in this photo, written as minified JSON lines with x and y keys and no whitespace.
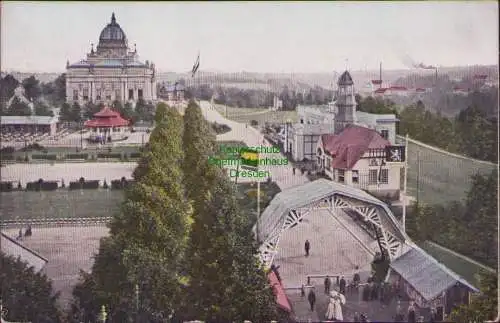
{"x":411,"y":63}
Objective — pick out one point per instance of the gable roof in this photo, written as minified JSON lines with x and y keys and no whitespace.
{"x":426,"y":275}
{"x":13,"y":248}
{"x":275,"y":214}
{"x":351,"y":144}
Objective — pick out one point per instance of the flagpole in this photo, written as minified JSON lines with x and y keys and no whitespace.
{"x":405,"y":183}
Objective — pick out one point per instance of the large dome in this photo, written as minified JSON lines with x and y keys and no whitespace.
{"x":112,"y":33}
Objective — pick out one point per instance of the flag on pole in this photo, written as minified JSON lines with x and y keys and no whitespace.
{"x":196,"y":66}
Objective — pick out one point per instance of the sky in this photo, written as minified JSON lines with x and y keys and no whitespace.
{"x":273,"y":37}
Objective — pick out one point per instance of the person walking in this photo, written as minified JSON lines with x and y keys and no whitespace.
{"x":412,"y":316}
{"x":399,"y":317}
{"x":342,"y":285}
{"x":307,"y":247}
{"x":312,"y":299}
{"x":328,"y":284}
{"x":293,"y":170}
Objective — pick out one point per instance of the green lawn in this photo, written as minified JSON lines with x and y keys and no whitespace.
{"x":460,"y":265}
{"x":62,"y":203}
{"x":442,"y":178}
{"x":237,"y":111}
{"x":245,"y":115}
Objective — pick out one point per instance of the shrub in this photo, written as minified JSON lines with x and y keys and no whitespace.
{"x":254,"y":123}
{"x":84,"y":185}
{"x":7,"y":157}
{"x":110,"y":155}
{"x":6,"y":186}
{"x":77,"y":156}
{"x":7,"y":150}
{"x":45,"y":157}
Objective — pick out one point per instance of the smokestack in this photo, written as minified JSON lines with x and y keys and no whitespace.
{"x":380,"y":76}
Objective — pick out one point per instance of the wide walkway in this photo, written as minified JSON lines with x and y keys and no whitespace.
{"x":282,"y":174}
{"x":68,"y":250}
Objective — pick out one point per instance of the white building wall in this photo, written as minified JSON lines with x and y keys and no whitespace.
{"x":363,"y":167}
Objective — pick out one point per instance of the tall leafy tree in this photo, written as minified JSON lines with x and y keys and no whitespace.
{"x":199,"y":145}
{"x":26,"y":295}
{"x":226,"y":282}
{"x":19,"y":108}
{"x":148,"y":237}
{"x":7,"y":86}
{"x":32,"y":88}
{"x":42,"y":109}
{"x":65,"y":112}
{"x":483,"y":307}
{"x":76,"y":112}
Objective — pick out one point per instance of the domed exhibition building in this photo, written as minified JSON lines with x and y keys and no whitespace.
{"x":111,"y":72}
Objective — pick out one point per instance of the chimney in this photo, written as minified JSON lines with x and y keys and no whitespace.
{"x":380,"y":76}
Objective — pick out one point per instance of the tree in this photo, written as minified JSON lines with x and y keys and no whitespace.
{"x":148,"y":237}
{"x":26,"y":295}
{"x":32,"y":88}
{"x":43,"y":110}
{"x":199,"y":145}
{"x":76,"y":112}
{"x":91,"y":109}
{"x":65,"y":112}
{"x":7,"y":86}
{"x":482,"y":213}
{"x":19,"y":108}
{"x":60,"y":89}
{"x":483,"y":307}
{"x":226,"y":282}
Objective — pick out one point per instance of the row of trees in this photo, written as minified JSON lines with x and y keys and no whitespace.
{"x":468,"y":227}
{"x":76,"y":113}
{"x":260,"y":98}
{"x":33,"y":91}
{"x":472,"y":132}
{"x":180,"y":246}
{"x":26,"y":295}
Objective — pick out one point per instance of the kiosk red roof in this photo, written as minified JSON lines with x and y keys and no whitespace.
{"x":106,"y":118}
{"x":106,"y":112}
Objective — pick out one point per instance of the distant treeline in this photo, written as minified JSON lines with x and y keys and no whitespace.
{"x":260,"y":98}
{"x":473,"y":133}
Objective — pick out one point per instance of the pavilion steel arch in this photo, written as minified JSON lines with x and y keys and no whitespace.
{"x":333,"y":202}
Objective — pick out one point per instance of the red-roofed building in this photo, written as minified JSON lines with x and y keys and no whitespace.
{"x":357,"y":157}
{"x":107,"y":125}
{"x":380,"y":91}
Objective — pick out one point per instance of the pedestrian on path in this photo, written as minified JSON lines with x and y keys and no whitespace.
{"x":342,"y":284}
{"x":328,"y":284}
{"x":293,"y":170}
{"x":412,"y":316}
{"x":307,"y":247}
{"x":312,"y":299}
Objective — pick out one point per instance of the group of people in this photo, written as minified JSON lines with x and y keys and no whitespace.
{"x":27,"y":232}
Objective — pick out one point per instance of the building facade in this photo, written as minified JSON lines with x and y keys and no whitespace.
{"x":314,"y":121}
{"x":111,"y":72}
{"x":358,"y":157}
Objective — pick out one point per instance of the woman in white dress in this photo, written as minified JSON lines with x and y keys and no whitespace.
{"x":334,"y":311}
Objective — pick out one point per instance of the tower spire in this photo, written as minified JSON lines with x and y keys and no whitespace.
{"x":113,"y":19}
